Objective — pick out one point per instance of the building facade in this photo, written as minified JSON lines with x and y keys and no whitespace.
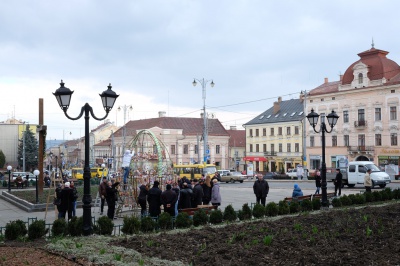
{"x":237,"y":149}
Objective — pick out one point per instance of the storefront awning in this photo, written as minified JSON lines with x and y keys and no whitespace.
{"x":255,"y":159}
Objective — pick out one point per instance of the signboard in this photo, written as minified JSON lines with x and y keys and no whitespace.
{"x":250,"y":169}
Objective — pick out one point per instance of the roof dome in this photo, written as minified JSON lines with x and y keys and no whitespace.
{"x":379,"y":66}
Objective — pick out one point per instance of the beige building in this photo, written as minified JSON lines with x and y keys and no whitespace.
{"x":367,"y":100}
{"x":237,"y":148}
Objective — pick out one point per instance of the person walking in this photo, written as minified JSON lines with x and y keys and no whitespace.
{"x":168,"y":199}
{"x":261,"y":189}
{"x":215,"y":194}
{"x":112,"y":198}
{"x":142,"y":198}
{"x":103,"y":194}
{"x":197,"y":194}
{"x":154,"y":200}
{"x":338,"y":182}
{"x":297,"y":191}
{"x":66,"y":201}
{"x":368,"y":181}
{"x":317,"y":181}
{"x":206,"y":190}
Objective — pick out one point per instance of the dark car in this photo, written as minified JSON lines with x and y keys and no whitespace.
{"x":270,"y":175}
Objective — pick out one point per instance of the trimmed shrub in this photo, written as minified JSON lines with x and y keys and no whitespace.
{"x":183,"y":220}
{"x":75,"y":226}
{"x":131,"y":225}
{"x":369,"y":197}
{"x":396,"y":193}
{"x":229,"y":214}
{"x":360,"y":198}
{"x":105,"y":225}
{"x":15,"y":229}
{"x":258,"y":211}
{"x":346,"y":201}
{"x":377,"y":196}
{"x":353,"y":199}
{"x":336,"y":202}
{"x":59,"y":228}
{"x":283,"y":207}
{"x":200,"y":217}
{"x":216,"y":217}
{"x":37,"y":229}
{"x":316,"y":204}
{"x":165,"y":221}
{"x":147,"y":224}
{"x":271,"y":209}
{"x":306,"y":205}
{"x":294,"y":207}
{"x":389,"y":193}
{"x":245,"y":213}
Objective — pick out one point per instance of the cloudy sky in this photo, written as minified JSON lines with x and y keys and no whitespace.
{"x":150,"y":51}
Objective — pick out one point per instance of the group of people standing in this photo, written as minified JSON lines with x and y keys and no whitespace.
{"x":108,"y":192}
{"x":66,"y":197}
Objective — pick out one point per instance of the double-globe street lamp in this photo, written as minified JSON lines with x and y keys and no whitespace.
{"x":108,"y":97}
{"x":313,"y":120}
{"x":203,"y":83}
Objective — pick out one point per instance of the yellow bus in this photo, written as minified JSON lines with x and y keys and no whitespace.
{"x":98,"y":172}
{"x":192,"y":171}
{"x":77,"y":173}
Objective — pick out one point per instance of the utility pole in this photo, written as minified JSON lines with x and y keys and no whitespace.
{"x":304,"y":154}
{"x":125,"y":108}
{"x":23,"y":149}
{"x":42,"y":138}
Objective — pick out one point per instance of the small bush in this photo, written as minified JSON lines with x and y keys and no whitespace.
{"x":353,"y":199}
{"x":200,"y":217}
{"x":216,"y":217}
{"x":316,"y":204}
{"x":37,"y":229}
{"x":346,"y":201}
{"x":229,"y":214}
{"x":258,"y":211}
{"x":165,"y":221}
{"x":183,"y":220}
{"x":15,"y":229}
{"x":387,"y":194}
{"x":306,"y":205}
{"x":360,"y":198}
{"x":396,"y":193}
{"x":131,"y":225}
{"x":245,"y":213}
{"x":377,"y":196}
{"x":369,"y":197}
{"x":147,"y":224}
{"x":294,"y":207}
{"x":105,"y":225}
{"x":271,"y":209}
{"x":336,"y":202}
{"x":283,"y":207}
{"x":75,"y":226}
{"x":59,"y":228}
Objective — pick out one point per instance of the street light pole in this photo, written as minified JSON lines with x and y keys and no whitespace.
{"x":332,"y":119}
{"x":36,"y":173}
{"x":108,"y":97}
{"x":9,"y":168}
{"x":203,"y":83}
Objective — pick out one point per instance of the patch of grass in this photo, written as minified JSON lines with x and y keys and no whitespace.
{"x":102,"y":251}
{"x":267,"y":240}
{"x":118,"y":257}
{"x":150,"y":243}
{"x":314,"y":229}
{"x":368,"y":231}
{"x":298,"y":227}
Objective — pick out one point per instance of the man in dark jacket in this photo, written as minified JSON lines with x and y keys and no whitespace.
{"x":103,"y":194}
{"x":142,"y":198}
{"x":66,"y":201}
{"x":197,"y":194}
{"x":185,"y":200}
{"x":112,"y":198}
{"x":168,"y":199}
{"x":338,"y":182}
{"x":154,"y":200}
{"x":261,"y":189}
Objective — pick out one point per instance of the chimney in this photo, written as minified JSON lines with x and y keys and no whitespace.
{"x":279,"y":99}
{"x":341,"y":77}
{"x":162,"y":114}
{"x":276,"y":107}
{"x":325,"y":80}
{"x":233,"y":127}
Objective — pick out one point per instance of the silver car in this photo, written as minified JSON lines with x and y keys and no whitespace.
{"x":233,"y":177}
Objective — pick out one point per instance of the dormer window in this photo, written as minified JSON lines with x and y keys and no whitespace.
{"x":360,"y":78}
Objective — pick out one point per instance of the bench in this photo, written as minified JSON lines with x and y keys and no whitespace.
{"x":297,"y":199}
{"x":328,"y":195}
{"x":206,"y":208}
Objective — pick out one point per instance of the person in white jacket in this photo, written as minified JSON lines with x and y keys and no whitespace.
{"x":126,"y":162}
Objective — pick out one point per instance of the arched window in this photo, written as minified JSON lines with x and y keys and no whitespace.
{"x":360,"y":78}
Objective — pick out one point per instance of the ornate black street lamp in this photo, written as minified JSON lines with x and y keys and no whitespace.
{"x":108,"y":97}
{"x":332,"y":119}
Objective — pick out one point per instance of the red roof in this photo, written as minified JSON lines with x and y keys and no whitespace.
{"x":237,"y":138}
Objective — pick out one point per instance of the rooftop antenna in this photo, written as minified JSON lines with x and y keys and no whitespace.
{"x":372,"y":44}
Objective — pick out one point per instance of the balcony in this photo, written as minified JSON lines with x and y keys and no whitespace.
{"x":362,"y":149}
{"x":360,"y":124}
{"x":270,"y":153}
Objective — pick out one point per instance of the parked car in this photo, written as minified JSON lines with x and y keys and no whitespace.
{"x":270,"y":175}
{"x":223,"y":172}
{"x":233,"y":177}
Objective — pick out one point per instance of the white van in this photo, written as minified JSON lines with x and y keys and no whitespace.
{"x":356,"y":172}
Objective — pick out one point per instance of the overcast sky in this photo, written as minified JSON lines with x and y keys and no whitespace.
{"x":150,"y":51}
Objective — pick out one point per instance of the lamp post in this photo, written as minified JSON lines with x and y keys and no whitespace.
{"x":36,"y":173}
{"x":313,"y":120}
{"x":9,"y":168}
{"x":108,"y":97}
{"x":62,"y":162}
{"x":203,"y":83}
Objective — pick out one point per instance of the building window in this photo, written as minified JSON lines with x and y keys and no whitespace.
{"x":251,"y":132}
{"x":185,"y":149}
{"x":289,"y":147}
{"x":345,"y":116}
{"x":346,"y":140}
{"x":378,"y":114}
{"x":393,"y":139}
{"x":393,"y":113}
{"x":361,"y":142}
{"x":280,"y":131}
{"x":264,"y":147}
{"x":272,"y":131}
{"x":312,"y":144}
{"x":288,"y":131}
{"x":251,"y":148}
{"x":264,"y":132}
{"x":257,"y":147}
{"x":257,"y":132}
{"x":360,"y":78}
{"x":296,"y":130}
{"x":172,"y":149}
{"x":296,"y":147}
{"x":334,"y":141}
{"x":378,"y":140}
{"x":217,"y":149}
{"x":196,"y":149}
{"x":280,"y":147}
{"x":272,"y":148}
{"x":361,"y":116}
